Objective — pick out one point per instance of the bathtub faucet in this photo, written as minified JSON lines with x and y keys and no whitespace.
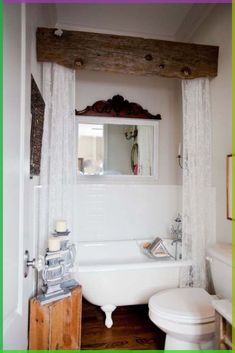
{"x":178,"y":256}
{"x":177,"y":240}
{"x":176,"y":231}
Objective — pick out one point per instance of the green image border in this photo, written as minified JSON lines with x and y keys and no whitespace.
{"x":1,"y":198}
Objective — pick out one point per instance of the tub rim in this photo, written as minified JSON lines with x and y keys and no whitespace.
{"x":133,"y":266}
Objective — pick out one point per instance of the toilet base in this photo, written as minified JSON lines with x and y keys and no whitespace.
{"x":173,"y":343}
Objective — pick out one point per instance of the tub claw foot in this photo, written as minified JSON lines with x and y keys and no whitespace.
{"x":108,"y":310}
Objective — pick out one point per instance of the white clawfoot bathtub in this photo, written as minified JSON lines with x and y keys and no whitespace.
{"x":115,"y":273}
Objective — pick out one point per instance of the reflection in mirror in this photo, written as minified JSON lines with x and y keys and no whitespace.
{"x":91,"y":149}
{"x":114,"y":149}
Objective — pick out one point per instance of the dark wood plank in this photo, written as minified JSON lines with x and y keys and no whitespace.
{"x":129,"y":55}
{"x":132,"y":329}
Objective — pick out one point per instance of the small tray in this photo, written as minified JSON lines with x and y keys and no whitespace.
{"x":155,"y":257}
{"x":161,"y":256}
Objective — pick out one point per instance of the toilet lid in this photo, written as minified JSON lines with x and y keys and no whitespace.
{"x":186,"y":305}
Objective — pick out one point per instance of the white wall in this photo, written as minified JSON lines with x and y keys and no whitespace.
{"x":158,"y":95}
{"x":14,"y":325}
{"x":216,"y":30}
{"x":36,"y":15}
{"x":127,"y":211}
{"x":161,"y":95}
{"x":150,"y":208}
{"x":18,"y":188}
{"x":160,"y":21}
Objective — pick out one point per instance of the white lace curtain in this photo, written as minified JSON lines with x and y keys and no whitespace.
{"x":145,"y":150}
{"x":198,"y":198}
{"x":58,"y":162}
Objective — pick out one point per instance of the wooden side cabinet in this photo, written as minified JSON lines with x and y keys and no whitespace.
{"x":223,"y":324}
{"x":57,"y":325}
{"x":223,"y":333}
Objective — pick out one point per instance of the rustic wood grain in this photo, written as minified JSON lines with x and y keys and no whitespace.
{"x":132,"y":329}
{"x":117,"y":107}
{"x":57,"y":325}
{"x":128,"y":55}
{"x":39,"y":326}
{"x":72,"y":333}
{"x":37,"y":112}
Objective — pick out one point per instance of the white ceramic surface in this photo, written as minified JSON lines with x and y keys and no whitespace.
{"x":186,"y":314}
{"x":183,"y":336}
{"x":183,"y":305}
{"x":187,"y":317}
{"x":118,"y":273}
{"x":220,"y":259}
{"x":124,"y":210}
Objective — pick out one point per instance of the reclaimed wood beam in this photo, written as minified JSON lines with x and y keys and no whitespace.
{"x":128,"y":55}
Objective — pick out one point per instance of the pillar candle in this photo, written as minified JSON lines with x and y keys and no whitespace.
{"x":54,"y":244}
{"x":61,"y":226}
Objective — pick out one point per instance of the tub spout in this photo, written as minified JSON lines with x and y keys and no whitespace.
{"x":177,"y":240}
{"x":108,"y":310}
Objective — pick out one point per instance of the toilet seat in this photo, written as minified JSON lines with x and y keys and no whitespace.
{"x":183,"y":305}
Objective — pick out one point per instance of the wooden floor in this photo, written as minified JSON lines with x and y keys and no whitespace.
{"x":132,"y":329}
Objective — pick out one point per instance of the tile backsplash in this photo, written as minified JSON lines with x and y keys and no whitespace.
{"x":124,"y":211}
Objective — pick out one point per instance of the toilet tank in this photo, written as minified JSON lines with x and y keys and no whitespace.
{"x":220,"y":258}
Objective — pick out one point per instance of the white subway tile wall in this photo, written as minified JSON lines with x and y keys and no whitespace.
{"x":113,"y":212}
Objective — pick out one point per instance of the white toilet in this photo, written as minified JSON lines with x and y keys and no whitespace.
{"x":186,"y":315}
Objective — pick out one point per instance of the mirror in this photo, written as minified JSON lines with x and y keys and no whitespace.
{"x":111,"y":148}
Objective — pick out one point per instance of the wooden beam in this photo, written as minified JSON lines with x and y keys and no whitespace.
{"x":129,"y":55}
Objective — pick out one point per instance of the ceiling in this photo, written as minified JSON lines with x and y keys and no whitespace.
{"x":160,"y":21}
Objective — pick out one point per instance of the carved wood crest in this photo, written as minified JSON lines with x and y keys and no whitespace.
{"x":117,"y":107}
{"x":37,"y":111}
